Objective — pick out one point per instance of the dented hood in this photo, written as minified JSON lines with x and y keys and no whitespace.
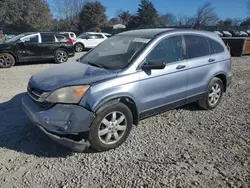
{"x":70,"y":73}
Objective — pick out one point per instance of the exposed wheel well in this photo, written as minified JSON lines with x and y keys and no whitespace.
{"x":223,"y":79}
{"x":125,"y":100}
{"x":132,"y":106}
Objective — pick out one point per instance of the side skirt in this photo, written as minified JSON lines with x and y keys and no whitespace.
{"x":164,"y":108}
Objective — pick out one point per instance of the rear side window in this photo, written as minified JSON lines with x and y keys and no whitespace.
{"x":215,"y":47}
{"x":197,"y":46}
{"x":48,"y":38}
{"x":72,"y":35}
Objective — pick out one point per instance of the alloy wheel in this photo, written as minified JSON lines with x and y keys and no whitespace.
{"x":5,"y":60}
{"x":214,"y":94}
{"x":112,"y":128}
{"x":62,"y":57}
{"x":79,"y":47}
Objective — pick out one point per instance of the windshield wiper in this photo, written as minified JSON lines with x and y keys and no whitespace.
{"x":97,"y":65}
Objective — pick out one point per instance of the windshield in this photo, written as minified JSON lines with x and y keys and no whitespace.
{"x":15,"y":38}
{"x":115,"y":52}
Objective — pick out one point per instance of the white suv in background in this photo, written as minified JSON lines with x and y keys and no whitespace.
{"x":89,"y":40}
{"x":71,"y":35}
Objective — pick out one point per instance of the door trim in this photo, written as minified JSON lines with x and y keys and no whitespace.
{"x":160,"y":109}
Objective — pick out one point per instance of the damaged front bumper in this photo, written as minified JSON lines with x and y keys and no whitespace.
{"x":62,"y":122}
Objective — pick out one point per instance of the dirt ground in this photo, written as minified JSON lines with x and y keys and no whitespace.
{"x":185,"y":147}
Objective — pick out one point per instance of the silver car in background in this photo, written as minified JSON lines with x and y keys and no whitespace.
{"x":128,"y":77}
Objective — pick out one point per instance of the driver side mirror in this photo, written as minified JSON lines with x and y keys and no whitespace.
{"x":87,"y":37}
{"x":154,"y":64}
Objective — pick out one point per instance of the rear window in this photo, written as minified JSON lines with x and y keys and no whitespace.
{"x":72,"y":35}
{"x":48,"y":38}
{"x":61,"y":38}
{"x":215,"y":47}
{"x":197,"y":46}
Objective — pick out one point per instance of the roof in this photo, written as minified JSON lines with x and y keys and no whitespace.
{"x":145,"y":33}
{"x":90,"y":32}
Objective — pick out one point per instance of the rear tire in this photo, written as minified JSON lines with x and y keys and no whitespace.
{"x":109,"y":131}
{"x":79,"y":47}
{"x":6,"y":60}
{"x":61,"y":56}
{"x":213,"y":94}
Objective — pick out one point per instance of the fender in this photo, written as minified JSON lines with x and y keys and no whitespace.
{"x":106,"y":104}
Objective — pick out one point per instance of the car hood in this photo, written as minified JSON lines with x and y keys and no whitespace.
{"x":4,"y":45}
{"x":68,"y":74}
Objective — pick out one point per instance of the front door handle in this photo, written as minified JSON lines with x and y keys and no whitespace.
{"x":211,"y":60}
{"x":180,"y":66}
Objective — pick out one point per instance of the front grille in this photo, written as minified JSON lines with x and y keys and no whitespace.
{"x":34,"y":92}
{"x":35,"y":95}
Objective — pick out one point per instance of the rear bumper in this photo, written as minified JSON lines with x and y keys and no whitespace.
{"x":60,"y":121}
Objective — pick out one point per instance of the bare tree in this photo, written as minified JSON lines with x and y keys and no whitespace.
{"x":68,"y":11}
{"x":205,"y":15}
{"x":185,"y":21}
{"x":168,"y":19}
{"x":236,"y":21}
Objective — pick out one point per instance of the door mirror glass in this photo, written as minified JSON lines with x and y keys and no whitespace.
{"x":154,"y":64}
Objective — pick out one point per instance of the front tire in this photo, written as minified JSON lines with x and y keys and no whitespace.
{"x":79,"y":47}
{"x":213,"y":95}
{"x":61,"y":56}
{"x":6,"y":60}
{"x":111,"y":127}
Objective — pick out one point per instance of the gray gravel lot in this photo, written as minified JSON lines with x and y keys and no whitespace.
{"x":186,"y":147}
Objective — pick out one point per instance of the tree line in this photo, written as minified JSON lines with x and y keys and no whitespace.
{"x":83,"y":15}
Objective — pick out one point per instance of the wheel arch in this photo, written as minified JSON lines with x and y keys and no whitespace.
{"x":11,"y":53}
{"x":222,"y":76}
{"x":128,"y":101}
{"x":79,"y":42}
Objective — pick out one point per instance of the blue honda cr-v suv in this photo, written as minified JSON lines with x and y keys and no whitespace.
{"x":130,"y":76}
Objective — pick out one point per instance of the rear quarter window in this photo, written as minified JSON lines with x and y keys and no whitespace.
{"x":196,"y":46}
{"x":215,"y":47}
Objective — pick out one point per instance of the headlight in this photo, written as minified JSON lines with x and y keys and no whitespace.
{"x":71,"y":94}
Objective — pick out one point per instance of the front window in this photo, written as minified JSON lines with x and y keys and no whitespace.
{"x":30,"y":39}
{"x":168,"y":50}
{"x":115,"y":52}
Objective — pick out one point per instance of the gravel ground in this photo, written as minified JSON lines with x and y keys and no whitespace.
{"x":186,"y":147}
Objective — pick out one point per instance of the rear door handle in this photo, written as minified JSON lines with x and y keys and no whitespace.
{"x":211,"y":60}
{"x":180,"y":66}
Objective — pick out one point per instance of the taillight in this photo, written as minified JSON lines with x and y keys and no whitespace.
{"x":70,"y":41}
